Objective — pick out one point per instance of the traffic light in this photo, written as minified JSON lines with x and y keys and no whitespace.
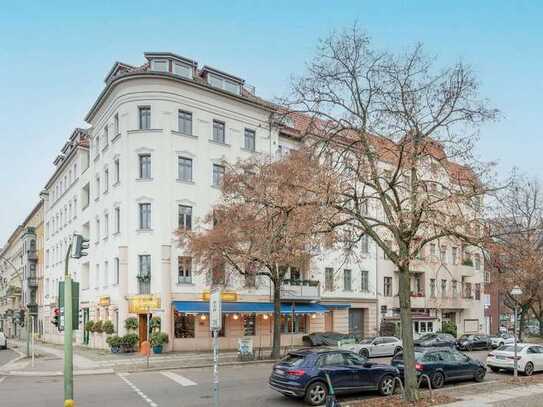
{"x":80,"y":245}
{"x":56,"y":317}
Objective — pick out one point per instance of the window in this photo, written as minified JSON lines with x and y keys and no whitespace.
{"x":224,"y":84}
{"x":161,"y":65}
{"x":184,"y":325}
{"x":249,"y":140}
{"x":185,"y":217}
{"x":388,"y":286}
{"x":117,"y":212}
{"x":364,"y":285}
{"x":329,"y":279}
{"x":432,"y":287}
{"x":106,"y":135}
{"x":218,"y":174}
{"x":117,"y":167}
{"x":144,"y":274}
{"x":184,"y":267}
{"x":106,"y":225}
{"x":477,"y":291}
{"x":293,"y":323}
{"x":75,"y":208}
{"x":144,"y":117}
{"x":443,"y":254}
{"x":116,"y":124}
{"x":249,"y":325}
{"x":347,"y":279}
{"x":97,"y":277}
{"x":182,"y":70}
{"x":106,"y":277}
{"x":432,"y":249}
{"x":145,"y":165}
{"x":116,"y":270}
{"x":145,"y":215}
{"x":487,"y":277}
{"x":185,"y":122}
{"x":184,"y":168}
{"x":97,"y":230}
{"x":218,"y":132}
{"x":455,"y":288}
{"x":98,"y":190}
{"x":364,"y":244}
{"x":477,"y":261}
{"x":106,"y":180}
{"x":454,"y":255}
{"x":443,"y":288}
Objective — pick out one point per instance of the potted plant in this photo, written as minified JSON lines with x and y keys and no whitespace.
{"x":108,"y":327}
{"x":155,"y":323}
{"x":128,"y":342}
{"x":131,"y":324}
{"x":89,"y":326}
{"x":114,"y":342}
{"x":97,"y":328}
{"x":158,"y":339}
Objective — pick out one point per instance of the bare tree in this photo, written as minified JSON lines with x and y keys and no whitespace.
{"x":398,"y":135}
{"x":267,"y":218}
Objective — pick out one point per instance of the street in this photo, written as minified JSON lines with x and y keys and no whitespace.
{"x":240,"y":386}
{"x":6,"y":356}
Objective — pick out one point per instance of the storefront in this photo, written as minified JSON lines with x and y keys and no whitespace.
{"x":243,"y":320}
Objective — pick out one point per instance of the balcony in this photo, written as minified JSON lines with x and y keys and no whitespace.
{"x":418,"y":300}
{"x":32,"y":255}
{"x":301,"y":290}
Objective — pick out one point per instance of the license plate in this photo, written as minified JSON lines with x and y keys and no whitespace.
{"x":279,"y":372}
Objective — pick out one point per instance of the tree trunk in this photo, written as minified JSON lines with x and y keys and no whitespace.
{"x":540,"y":320}
{"x":276,"y":344}
{"x":411,"y":393}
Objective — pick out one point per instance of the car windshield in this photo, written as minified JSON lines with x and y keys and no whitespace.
{"x":466,"y":337}
{"x":368,"y":340}
{"x":427,"y":337}
{"x":510,"y":348}
{"x":293,"y":359}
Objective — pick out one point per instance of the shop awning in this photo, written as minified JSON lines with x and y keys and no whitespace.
{"x":337,"y":306}
{"x":202,"y":307}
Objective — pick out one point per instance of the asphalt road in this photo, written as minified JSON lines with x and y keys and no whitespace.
{"x":241,"y":386}
{"x":6,"y":355}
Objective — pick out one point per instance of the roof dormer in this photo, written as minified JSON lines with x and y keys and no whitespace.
{"x":171,"y":63}
{"x":222,"y":80}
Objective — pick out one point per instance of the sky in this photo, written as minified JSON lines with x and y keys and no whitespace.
{"x":54,"y":56}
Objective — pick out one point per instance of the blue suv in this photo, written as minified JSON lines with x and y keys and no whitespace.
{"x":302,"y":374}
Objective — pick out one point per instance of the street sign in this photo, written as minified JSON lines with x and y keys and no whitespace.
{"x":215,"y":311}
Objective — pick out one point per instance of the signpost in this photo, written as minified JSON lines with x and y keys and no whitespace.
{"x":215,"y":325}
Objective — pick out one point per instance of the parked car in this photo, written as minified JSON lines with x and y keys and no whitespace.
{"x":377,"y":346}
{"x":302,"y":374}
{"x":443,"y":365}
{"x":502,"y":339}
{"x":325,"y":338}
{"x":436,"y":340}
{"x":529,"y":358}
{"x":3,"y":341}
{"x":473,"y":342}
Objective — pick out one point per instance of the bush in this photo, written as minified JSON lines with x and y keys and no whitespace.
{"x":130,"y":340}
{"x":89,"y":326}
{"x":448,"y":327}
{"x":131,"y":323}
{"x":155,"y":323}
{"x":114,"y":341}
{"x":108,"y":327}
{"x":98,"y":328}
{"x":159,"y":338}
{"x":467,"y":262}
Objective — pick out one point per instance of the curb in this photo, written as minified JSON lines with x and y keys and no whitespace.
{"x":56,"y":373}
{"x":227,"y":364}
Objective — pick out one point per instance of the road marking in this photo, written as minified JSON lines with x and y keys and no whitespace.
{"x":183,"y":381}
{"x":138,"y":391}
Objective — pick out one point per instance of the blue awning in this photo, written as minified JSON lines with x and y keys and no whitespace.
{"x":337,"y":306}
{"x":202,"y":307}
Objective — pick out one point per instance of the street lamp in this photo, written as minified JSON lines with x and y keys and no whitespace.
{"x":516,"y":292}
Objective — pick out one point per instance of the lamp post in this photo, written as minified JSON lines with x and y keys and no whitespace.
{"x":516,"y":292}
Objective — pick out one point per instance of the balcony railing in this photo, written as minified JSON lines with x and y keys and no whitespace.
{"x":303,"y":290}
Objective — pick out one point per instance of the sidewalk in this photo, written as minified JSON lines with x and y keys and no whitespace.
{"x":49,"y":361}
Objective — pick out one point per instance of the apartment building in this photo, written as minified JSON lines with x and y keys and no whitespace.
{"x":65,"y":199}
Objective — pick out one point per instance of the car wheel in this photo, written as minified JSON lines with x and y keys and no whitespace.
{"x":495,"y":369}
{"x":469,"y":348}
{"x":397,"y":350}
{"x":437,"y":380}
{"x":386,"y":385}
{"x":529,"y":369}
{"x":316,"y":393}
{"x":479,"y":375}
{"x":364,"y":352}
{"x":500,"y":344}
{"x":489,"y":346}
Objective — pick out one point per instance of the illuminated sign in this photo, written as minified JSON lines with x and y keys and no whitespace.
{"x":141,"y":304}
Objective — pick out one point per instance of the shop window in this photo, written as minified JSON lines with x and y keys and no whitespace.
{"x":249,"y":325}
{"x":296,"y":324}
{"x":184,"y":325}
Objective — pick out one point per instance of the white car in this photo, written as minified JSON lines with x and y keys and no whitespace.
{"x":502,"y":339}
{"x":529,"y":358}
{"x":3,"y":341}
{"x":377,"y":346}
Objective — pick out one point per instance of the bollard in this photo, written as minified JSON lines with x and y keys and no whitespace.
{"x":69,"y":403}
{"x":429,"y":385}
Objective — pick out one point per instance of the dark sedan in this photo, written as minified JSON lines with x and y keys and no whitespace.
{"x":436,"y":340}
{"x":442,"y":365}
{"x":302,"y":374}
{"x":473,"y":342}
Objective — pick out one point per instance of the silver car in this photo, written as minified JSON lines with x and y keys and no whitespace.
{"x":377,"y":346}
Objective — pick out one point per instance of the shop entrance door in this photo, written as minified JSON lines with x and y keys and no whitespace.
{"x":356,"y":322}
{"x":142,"y":327}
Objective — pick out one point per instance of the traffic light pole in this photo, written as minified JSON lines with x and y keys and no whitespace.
{"x":68,"y":335}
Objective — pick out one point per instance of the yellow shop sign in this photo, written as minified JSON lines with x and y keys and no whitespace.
{"x":104,"y":301}
{"x":225,"y":296}
{"x":141,"y":304}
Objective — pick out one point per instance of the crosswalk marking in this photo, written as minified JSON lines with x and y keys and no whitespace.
{"x":138,"y":391}
{"x":183,"y":381}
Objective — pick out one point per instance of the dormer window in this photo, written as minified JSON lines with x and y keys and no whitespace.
{"x":224,"y":84}
{"x":182,"y":70}
{"x":161,"y":65}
